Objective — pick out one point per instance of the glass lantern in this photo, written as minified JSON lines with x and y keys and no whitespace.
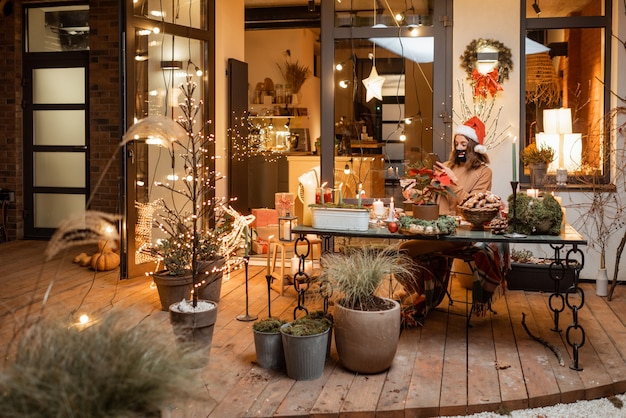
{"x":285,"y":225}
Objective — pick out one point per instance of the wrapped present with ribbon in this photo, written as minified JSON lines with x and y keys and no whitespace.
{"x":284,"y":203}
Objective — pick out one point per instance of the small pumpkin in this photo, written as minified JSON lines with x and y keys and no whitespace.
{"x":85,"y":260}
{"x":105,"y":260}
{"x":79,"y":258}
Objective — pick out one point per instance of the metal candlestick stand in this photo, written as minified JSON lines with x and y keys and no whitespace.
{"x":247,"y":317}
{"x":514,"y":234}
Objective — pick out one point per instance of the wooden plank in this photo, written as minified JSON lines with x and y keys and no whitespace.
{"x":510,"y":375}
{"x":606,"y":333}
{"x":541,"y":384}
{"x":394,"y":394}
{"x":424,"y":393}
{"x":483,"y":388}
{"x":570,"y":385}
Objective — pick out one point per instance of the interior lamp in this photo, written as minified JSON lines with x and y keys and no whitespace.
{"x":557,"y":126}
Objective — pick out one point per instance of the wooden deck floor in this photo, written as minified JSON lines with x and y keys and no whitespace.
{"x":439,"y":369}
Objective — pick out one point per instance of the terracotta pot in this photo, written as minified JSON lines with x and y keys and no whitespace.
{"x":176,"y":288}
{"x":367,"y":340}
{"x":426,"y":212}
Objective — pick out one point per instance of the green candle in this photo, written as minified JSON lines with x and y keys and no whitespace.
{"x":514,"y":150}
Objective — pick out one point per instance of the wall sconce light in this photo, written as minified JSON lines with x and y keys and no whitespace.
{"x":171,"y":65}
{"x":196,"y":69}
{"x":536,"y":8}
{"x":346,"y":169}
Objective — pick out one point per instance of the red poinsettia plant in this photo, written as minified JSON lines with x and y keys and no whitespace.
{"x":422,"y":184}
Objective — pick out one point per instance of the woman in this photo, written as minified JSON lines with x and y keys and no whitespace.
{"x":466,"y":166}
{"x":468,"y":170}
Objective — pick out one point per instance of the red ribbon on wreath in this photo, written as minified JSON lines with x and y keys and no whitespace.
{"x":484,"y":83}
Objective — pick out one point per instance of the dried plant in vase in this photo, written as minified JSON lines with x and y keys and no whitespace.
{"x":293,"y":73}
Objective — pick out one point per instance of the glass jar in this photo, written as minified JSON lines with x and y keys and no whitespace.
{"x":280,"y":93}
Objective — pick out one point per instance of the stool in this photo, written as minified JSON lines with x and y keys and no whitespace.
{"x":280,"y":280}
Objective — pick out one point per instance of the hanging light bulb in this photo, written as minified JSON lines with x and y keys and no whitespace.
{"x":344,"y":84}
{"x":346,"y":169}
{"x":271,"y":125}
{"x":408,"y":121}
{"x":288,"y":123}
{"x":399,"y":17}
{"x":403,"y":136}
{"x":339,"y":67}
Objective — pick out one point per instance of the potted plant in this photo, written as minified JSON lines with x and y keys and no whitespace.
{"x":305,"y":343}
{"x":116,"y":366}
{"x":199,"y":228}
{"x":532,"y":273}
{"x":536,"y":216}
{"x":367,"y":326}
{"x":268,"y":343}
{"x":421,"y":186}
{"x":293,"y":73}
{"x":537,"y":160}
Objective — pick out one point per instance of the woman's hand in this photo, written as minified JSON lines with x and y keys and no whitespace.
{"x":441,"y":167}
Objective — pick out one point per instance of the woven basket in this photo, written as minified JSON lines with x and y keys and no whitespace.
{"x":477,"y":217}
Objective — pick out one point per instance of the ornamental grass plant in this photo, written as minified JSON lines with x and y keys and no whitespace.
{"x":355,"y":276}
{"x":114,"y":368}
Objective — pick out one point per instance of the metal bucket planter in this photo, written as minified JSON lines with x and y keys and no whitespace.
{"x":305,"y":356}
{"x":194,"y":329}
{"x":269,"y":349}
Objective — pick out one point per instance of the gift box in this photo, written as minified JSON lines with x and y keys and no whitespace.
{"x":259,"y":247}
{"x":264,"y":217}
{"x":284,"y":203}
{"x":266,"y":232}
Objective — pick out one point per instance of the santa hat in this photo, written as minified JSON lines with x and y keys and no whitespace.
{"x":474,"y":129}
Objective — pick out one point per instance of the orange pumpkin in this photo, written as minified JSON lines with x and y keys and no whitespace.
{"x":105,"y":260}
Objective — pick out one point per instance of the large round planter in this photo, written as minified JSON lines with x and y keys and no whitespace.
{"x":426,"y":212}
{"x":367,"y":340}
{"x":305,"y":356}
{"x":194,"y":329}
{"x":173,"y":289}
{"x":269,"y":350}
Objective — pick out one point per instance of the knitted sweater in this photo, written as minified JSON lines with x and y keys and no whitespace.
{"x":469,"y":182}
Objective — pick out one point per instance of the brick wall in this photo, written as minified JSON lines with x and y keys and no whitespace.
{"x":104,"y":91}
{"x":11,"y":119}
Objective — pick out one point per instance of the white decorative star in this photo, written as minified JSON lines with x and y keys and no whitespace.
{"x":374,"y":85}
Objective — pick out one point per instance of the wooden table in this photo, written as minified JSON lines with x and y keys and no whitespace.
{"x":574,"y":259}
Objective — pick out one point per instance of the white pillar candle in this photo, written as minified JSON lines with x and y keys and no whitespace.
{"x":379,"y":208}
{"x":532,"y":192}
{"x":287,"y":230}
{"x":295,"y":261}
{"x":392,"y":211}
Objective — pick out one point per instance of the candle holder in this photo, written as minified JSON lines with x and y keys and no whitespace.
{"x":514,"y":234}
{"x":247,"y":317}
